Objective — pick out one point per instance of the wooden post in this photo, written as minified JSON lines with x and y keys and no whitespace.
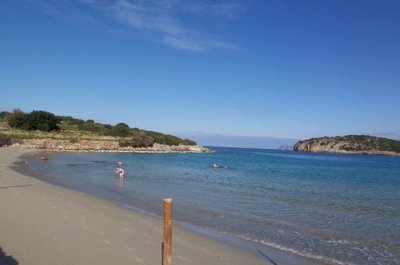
{"x":167,"y":245}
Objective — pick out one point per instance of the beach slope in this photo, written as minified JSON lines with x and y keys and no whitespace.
{"x":45,"y":224}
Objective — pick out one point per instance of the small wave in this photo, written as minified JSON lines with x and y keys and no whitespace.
{"x":291,"y":250}
{"x":337,"y":242}
{"x":103,"y":162}
{"x":76,"y":164}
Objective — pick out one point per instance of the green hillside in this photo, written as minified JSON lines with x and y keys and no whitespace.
{"x":41,"y":124}
{"x":352,"y":143}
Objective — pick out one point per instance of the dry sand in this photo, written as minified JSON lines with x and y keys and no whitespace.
{"x":45,"y":224}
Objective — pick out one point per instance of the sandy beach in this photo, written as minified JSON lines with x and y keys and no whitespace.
{"x":45,"y":224}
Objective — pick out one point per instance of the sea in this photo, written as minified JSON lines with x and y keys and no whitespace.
{"x":333,"y":208}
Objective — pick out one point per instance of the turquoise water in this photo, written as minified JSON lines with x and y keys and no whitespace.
{"x":340,"y":209}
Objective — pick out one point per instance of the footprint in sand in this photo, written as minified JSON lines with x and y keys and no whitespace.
{"x":106,"y":241}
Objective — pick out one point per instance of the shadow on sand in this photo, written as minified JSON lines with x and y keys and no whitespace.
{"x":268,"y":258}
{"x":7,"y":260}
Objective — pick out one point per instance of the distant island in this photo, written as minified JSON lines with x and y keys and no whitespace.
{"x":350,"y":144}
{"x":44,"y":130}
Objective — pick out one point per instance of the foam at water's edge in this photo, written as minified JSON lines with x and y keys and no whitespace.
{"x":227,"y":237}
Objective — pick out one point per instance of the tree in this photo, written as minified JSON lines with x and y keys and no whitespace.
{"x":147,"y":141}
{"x":45,"y":127}
{"x":121,"y":129}
{"x":136,"y":141}
{"x":19,"y":119}
{"x":42,"y":120}
{"x":4,"y":115}
{"x":172,"y":140}
{"x":188,"y":142}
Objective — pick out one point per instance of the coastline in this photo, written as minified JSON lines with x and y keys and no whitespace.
{"x":47,"y":224}
{"x":54,"y":145}
{"x":342,"y":152}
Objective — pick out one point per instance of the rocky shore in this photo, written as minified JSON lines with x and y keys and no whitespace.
{"x":105,"y":146}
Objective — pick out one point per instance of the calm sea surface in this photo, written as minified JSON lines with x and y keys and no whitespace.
{"x":339,"y":208}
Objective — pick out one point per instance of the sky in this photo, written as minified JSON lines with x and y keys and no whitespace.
{"x":224,"y":73}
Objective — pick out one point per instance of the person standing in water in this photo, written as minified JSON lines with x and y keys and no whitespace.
{"x":120,"y":170}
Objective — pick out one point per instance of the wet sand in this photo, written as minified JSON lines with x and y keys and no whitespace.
{"x":45,"y":224}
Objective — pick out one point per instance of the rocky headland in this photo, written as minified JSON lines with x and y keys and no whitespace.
{"x":44,"y":130}
{"x":350,"y":144}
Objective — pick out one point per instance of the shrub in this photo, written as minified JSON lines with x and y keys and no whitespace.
{"x":19,"y":119}
{"x":188,"y":142}
{"x":42,"y":120}
{"x":91,"y":127}
{"x":4,"y":115}
{"x":147,"y":141}
{"x":121,"y":129}
{"x":74,"y":140}
{"x":107,"y":126}
{"x":172,"y":140}
{"x":141,"y":139}
{"x":124,"y":143}
{"x":45,"y":127}
{"x":77,"y":122}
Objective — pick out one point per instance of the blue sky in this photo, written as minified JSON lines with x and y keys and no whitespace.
{"x":238,"y":73}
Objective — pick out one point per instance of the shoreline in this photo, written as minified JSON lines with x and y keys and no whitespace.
{"x":342,"y":152}
{"x":201,"y":247}
{"x":53,"y":145}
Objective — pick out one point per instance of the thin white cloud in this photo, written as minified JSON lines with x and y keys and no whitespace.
{"x":162,"y":19}
{"x":225,"y":9}
{"x":65,"y":8}
{"x":166,"y":21}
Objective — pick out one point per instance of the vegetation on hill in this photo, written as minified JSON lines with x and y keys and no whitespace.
{"x":352,"y":143}
{"x":42,"y":124}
